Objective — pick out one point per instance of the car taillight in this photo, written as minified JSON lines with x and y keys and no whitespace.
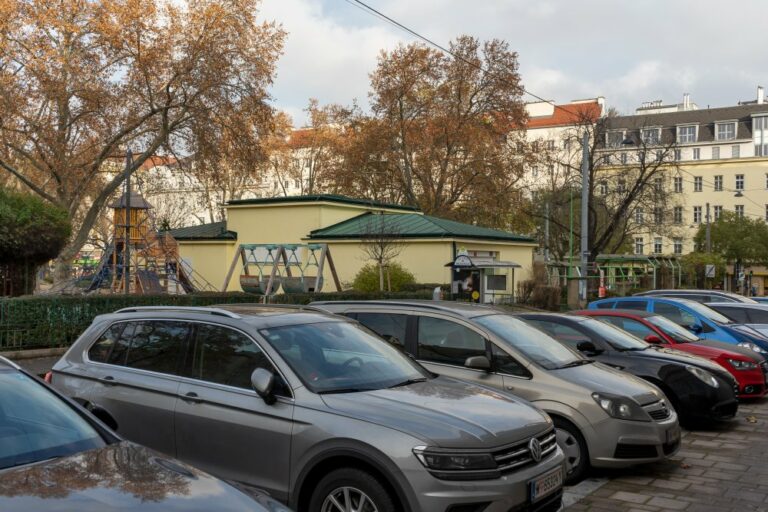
{"x":48,"y":377}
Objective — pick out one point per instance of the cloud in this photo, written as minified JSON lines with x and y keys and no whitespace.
{"x":627,"y":52}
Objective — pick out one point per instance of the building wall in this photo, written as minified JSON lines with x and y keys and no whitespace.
{"x":209,"y":260}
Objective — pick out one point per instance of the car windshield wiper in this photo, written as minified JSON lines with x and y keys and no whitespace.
{"x":634,"y":349}
{"x":408,"y":382}
{"x":577,"y":362}
{"x":344,"y":390}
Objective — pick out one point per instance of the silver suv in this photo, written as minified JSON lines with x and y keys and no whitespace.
{"x":604,"y":417}
{"x":312,"y":408}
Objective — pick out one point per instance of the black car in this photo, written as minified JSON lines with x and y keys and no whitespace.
{"x":698,"y":389}
{"x":56,"y":456}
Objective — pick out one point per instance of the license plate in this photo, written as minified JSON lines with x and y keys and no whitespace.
{"x":673,"y":435}
{"x":546,"y":484}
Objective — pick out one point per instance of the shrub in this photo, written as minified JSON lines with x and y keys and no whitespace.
{"x":367,"y":279}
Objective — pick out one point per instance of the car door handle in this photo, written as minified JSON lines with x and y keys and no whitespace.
{"x":510,"y":388}
{"x":108,"y":380}
{"x":192,"y":397}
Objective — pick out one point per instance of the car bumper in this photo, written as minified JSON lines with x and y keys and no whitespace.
{"x":715,"y":404}
{"x":752,"y":384}
{"x":510,"y":493}
{"x":620,"y":443}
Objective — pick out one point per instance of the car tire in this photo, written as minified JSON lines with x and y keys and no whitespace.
{"x":574,"y":448}
{"x":351,"y":484}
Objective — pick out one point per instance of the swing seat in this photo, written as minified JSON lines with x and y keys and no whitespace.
{"x":258,"y":285}
{"x":301,"y":284}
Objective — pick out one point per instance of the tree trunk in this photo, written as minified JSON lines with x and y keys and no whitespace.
{"x":381,"y":277}
{"x":62,"y":265}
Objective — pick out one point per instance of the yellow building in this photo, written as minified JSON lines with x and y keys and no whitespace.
{"x":428,"y":245}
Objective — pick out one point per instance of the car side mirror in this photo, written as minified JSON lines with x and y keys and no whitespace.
{"x":392,"y":340}
{"x":588,"y":348}
{"x":695,"y":328}
{"x":478,"y":363}
{"x":263,"y":382}
{"x":652,"y":338}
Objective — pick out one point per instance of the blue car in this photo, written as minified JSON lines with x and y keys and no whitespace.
{"x":704,"y":322}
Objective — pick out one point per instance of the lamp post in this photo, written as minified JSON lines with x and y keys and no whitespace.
{"x":584,"y":213}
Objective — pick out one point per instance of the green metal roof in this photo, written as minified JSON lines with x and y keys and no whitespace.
{"x":318,"y":198}
{"x":410,"y":225}
{"x":212,"y":231}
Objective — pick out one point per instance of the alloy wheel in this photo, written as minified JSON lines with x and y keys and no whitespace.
{"x":348,"y":499}
{"x":570,"y":447}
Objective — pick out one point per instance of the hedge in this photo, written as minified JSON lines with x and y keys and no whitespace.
{"x":57,"y":321}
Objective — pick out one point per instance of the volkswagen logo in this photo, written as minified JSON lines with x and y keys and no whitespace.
{"x":535,"y":448}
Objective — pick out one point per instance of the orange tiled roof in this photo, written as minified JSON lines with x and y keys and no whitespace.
{"x":570,"y":113}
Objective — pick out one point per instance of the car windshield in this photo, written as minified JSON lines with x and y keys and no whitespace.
{"x":675,"y":331}
{"x":533,"y":343}
{"x":339,"y":357}
{"x":708,"y":312}
{"x":617,"y":338}
{"x":37,"y":425}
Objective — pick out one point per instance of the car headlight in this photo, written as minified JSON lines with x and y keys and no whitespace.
{"x":446,"y":461}
{"x":742,"y":365}
{"x":752,"y":347}
{"x":704,"y":376}
{"x":621,"y":407}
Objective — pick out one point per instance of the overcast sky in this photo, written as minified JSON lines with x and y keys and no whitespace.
{"x":628,"y":52}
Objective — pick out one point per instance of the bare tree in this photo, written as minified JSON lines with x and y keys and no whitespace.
{"x":382,"y":242}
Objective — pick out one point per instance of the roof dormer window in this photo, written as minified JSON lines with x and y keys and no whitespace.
{"x":687,"y":134}
{"x":651,"y":136}
{"x":725,"y":130}
{"x":614,"y":138}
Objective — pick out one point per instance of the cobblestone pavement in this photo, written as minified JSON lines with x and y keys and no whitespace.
{"x":722,"y":469}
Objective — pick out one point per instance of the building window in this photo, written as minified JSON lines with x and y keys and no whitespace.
{"x":739,"y":210}
{"x":622,"y":188}
{"x":686,"y":134}
{"x":659,"y":155}
{"x":719,"y":183}
{"x":296,"y":183}
{"x":715,"y":153}
{"x":725,"y":131}
{"x":739,"y":182}
{"x":651,"y":136}
{"x":677,"y":214}
{"x":639,"y":215}
{"x":658,"y":215}
{"x":603,"y":188}
{"x":607,"y":159}
{"x":624,"y":158}
{"x":657,"y":248}
{"x":735,"y":151}
{"x":697,"y":183}
{"x":678,"y":181}
{"x":696,"y":153}
{"x":766,"y":213}
{"x":678,"y":155}
{"x":551,"y":145}
{"x":697,"y":214}
{"x":639,"y":245}
{"x":678,"y":244}
{"x":614,"y":139}
{"x":760,"y":134}
{"x":718,"y":211}
{"x":658,"y":185}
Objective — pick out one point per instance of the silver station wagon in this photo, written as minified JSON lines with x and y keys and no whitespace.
{"x":312,"y":408}
{"x":604,"y":417}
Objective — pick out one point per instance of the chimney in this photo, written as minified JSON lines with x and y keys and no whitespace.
{"x":686,"y":101}
{"x":760,"y":95}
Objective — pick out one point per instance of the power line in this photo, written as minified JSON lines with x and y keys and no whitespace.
{"x":380,"y":15}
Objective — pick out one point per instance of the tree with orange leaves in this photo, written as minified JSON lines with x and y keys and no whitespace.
{"x":81,"y":81}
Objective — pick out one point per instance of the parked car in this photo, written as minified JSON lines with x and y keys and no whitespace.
{"x":760,"y":300}
{"x":701,"y":320}
{"x":56,"y":456}
{"x":742,"y":313}
{"x":703,"y":296}
{"x":604,"y":417}
{"x":314,"y":409}
{"x":698,"y":389}
{"x":747,"y":367}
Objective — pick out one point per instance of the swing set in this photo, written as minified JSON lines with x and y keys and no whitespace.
{"x":267,"y":267}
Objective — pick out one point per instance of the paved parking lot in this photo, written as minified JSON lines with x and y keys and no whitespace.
{"x":718,"y":470}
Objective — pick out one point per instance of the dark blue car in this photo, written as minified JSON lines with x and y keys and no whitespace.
{"x":703,"y":321}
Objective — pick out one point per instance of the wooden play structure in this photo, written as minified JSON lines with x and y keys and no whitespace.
{"x":297,"y":268}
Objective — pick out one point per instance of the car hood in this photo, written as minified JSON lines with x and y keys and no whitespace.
{"x":446,"y":412}
{"x":729,"y":347}
{"x":606,"y":379}
{"x":671,"y":355}
{"x":122,"y":476}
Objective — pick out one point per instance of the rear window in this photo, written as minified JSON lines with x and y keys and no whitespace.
{"x":637,"y":305}
{"x":604,"y":305}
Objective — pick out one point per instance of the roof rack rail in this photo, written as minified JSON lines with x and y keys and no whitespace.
{"x":276,"y":306}
{"x":8,"y":362}
{"x":189,"y":309}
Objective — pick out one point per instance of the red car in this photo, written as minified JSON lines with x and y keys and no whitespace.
{"x":747,"y":367}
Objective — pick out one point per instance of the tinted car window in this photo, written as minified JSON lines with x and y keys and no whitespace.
{"x":226,"y":356}
{"x":605,"y":305}
{"x":36,"y":425}
{"x":631,"y":326}
{"x":505,"y":363}
{"x":443,"y":341}
{"x":758,"y":316}
{"x":388,"y":326}
{"x":736,"y":314}
{"x":638,"y":305}
{"x":101,"y":350}
{"x":674,"y":313}
{"x":157,"y":346}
